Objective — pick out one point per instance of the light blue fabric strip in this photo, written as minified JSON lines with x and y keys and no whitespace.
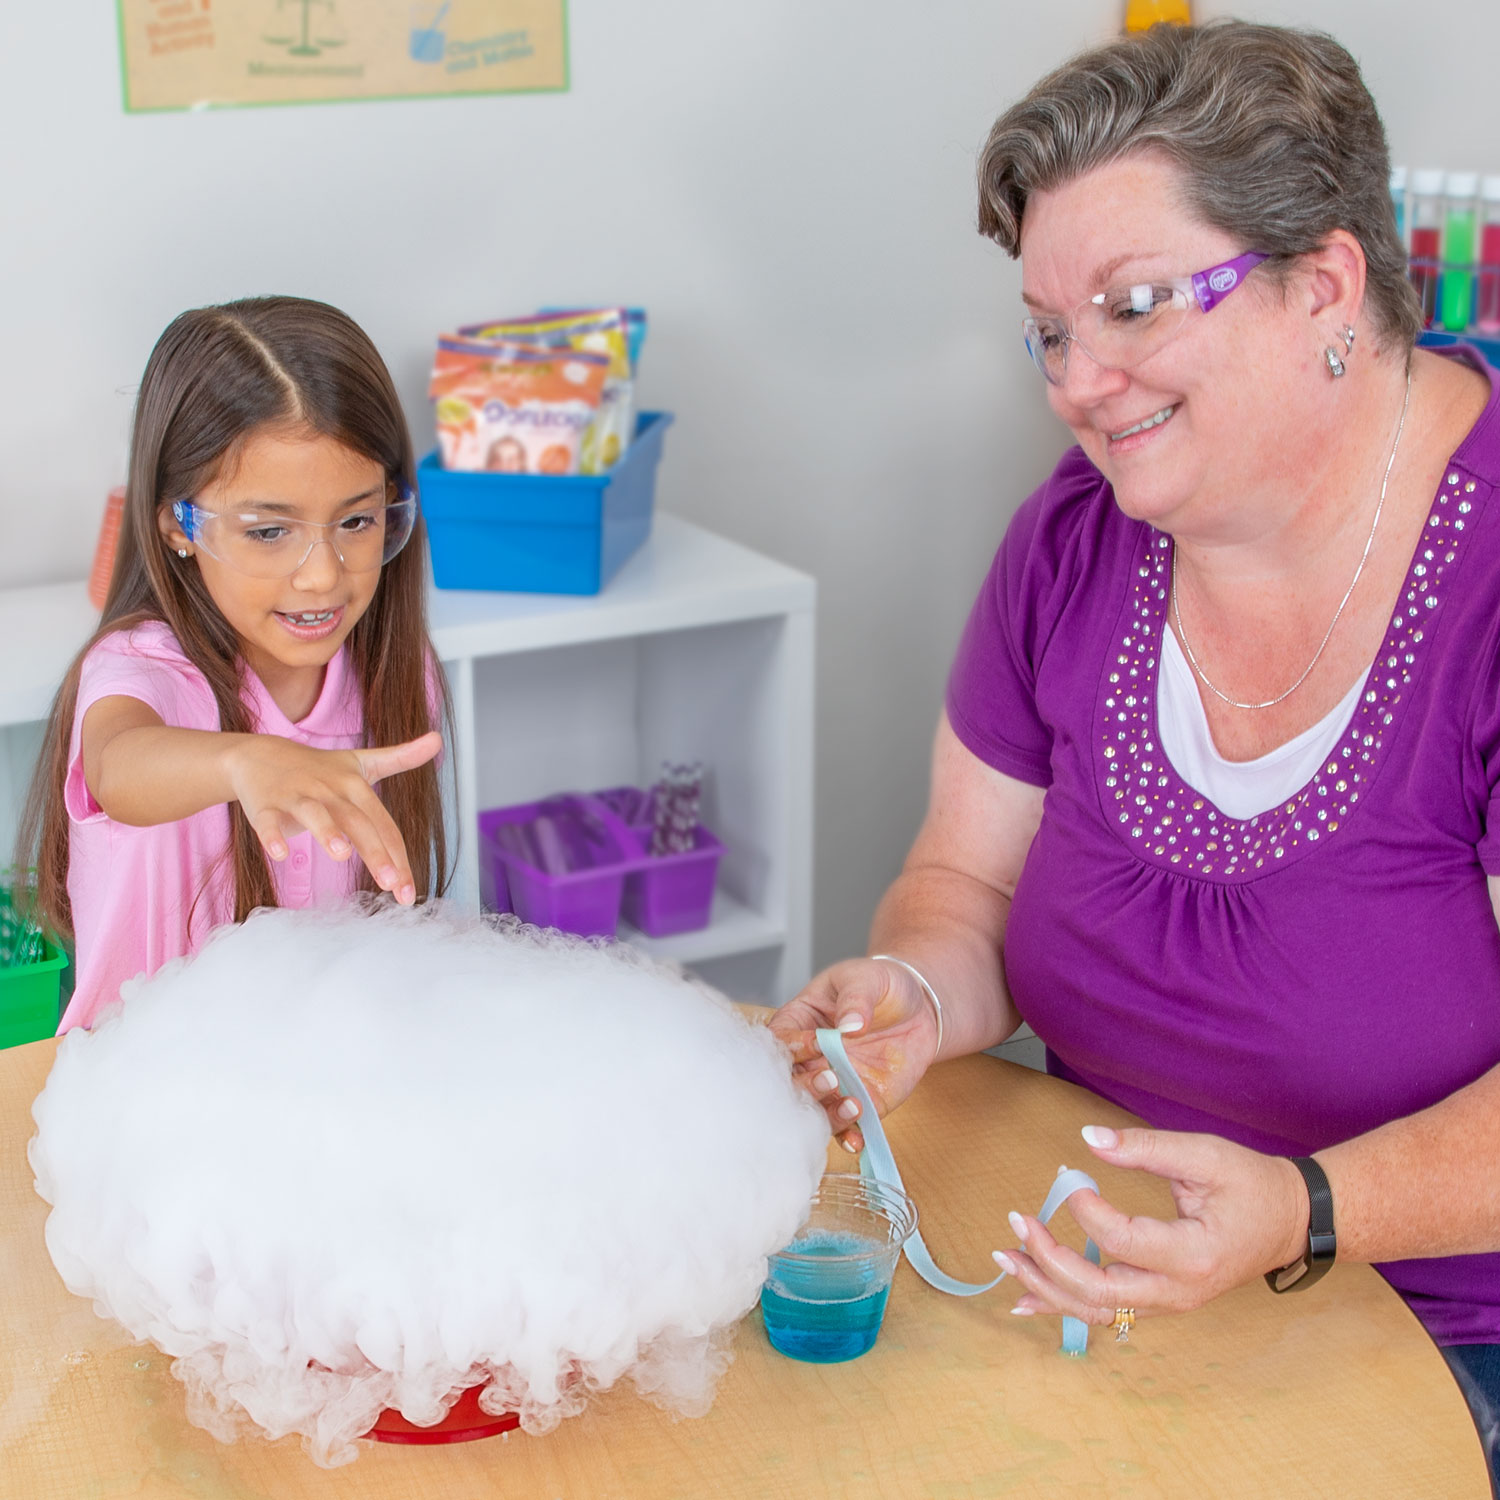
{"x":878,"y":1161}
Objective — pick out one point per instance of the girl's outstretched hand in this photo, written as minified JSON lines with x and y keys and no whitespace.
{"x":284,"y":786}
{"x":890,"y":1036}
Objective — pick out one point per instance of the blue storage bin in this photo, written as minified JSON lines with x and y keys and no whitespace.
{"x":1487,"y":344}
{"x":537,"y":533}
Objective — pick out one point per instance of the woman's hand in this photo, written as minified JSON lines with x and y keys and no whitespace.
{"x":284,"y":786}
{"x":1240,"y":1214}
{"x":890,"y":1036}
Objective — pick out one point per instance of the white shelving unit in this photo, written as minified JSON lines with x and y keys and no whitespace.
{"x":699,"y":649}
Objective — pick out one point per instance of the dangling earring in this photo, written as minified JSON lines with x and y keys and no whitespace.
{"x":1331,"y":355}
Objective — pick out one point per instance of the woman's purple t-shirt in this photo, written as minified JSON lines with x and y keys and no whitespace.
{"x":1288,"y":980}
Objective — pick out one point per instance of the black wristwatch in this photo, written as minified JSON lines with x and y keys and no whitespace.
{"x":1321,"y":1244}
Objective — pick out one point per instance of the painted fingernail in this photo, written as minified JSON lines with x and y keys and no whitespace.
{"x":407,"y":895}
{"x":1101,"y":1136}
{"x":1022,"y":1312}
{"x":850,"y":1146}
{"x":1004,"y":1261}
{"x":1018,"y":1224}
{"x":848,"y":1109}
{"x":277,"y":851}
{"x":851,"y":1022}
{"x":826,"y":1082}
{"x":338,"y":848}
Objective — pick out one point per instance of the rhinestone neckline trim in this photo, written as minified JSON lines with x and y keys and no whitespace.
{"x":1166,"y":822}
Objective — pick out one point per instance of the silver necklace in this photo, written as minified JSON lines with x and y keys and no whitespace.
{"x":1327,"y":634}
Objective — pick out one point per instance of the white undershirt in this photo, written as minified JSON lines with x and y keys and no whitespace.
{"x":1241,"y":788}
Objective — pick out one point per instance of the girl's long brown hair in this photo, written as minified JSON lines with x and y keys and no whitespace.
{"x":217,"y":375}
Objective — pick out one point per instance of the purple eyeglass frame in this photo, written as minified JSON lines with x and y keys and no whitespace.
{"x":1210,"y":287}
{"x":1213,"y":285}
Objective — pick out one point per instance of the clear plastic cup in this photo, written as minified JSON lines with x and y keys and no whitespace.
{"x":825,"y":1293}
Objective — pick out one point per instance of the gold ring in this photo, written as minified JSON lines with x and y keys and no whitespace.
{"x":1124,"y":1322}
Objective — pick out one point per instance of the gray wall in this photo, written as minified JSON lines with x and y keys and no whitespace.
{"x":786,"y":185}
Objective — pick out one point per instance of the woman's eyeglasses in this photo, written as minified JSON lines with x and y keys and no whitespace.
{"x":1121,"y":327}
{"x":268,"y":545}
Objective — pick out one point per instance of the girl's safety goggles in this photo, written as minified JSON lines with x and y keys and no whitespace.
{"x":270,"y":545}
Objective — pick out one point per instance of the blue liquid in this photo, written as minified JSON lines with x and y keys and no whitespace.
{"x":827,"y":1310}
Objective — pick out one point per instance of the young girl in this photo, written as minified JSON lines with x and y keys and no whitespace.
{"x":262,"y":661}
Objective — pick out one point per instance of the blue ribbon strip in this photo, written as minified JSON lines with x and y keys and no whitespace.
{"x":877,"y":1161}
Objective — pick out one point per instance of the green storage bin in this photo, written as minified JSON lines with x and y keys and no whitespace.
{"x":29,"y":992}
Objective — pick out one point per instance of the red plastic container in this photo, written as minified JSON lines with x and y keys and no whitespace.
{"x":104,"y":548}
{"x":464,"y":1423}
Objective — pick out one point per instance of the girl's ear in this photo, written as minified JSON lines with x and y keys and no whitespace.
{"x":176,"y":538}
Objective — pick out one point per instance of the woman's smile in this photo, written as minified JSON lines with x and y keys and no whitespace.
{"x":1147,"y":424}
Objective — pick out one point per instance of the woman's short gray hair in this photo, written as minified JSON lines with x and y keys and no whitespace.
{"x":1275,"y":134}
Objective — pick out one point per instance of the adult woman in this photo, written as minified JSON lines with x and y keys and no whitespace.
{"x":1211,"y":797}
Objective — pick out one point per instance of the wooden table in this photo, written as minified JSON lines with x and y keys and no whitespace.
{"x":1337,"y":1393}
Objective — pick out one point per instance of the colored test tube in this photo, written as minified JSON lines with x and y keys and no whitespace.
{"x":1487,"y":300}
{"x":1460,"y":246}
{"x":1425,"y":217}
{"x":1398,"y":204}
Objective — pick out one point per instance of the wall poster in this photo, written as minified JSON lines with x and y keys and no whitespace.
{"x":199,"y":54}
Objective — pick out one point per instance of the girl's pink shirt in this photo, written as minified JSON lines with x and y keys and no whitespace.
{"x":133,"y":889}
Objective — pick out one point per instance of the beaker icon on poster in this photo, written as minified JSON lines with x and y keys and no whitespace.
{"x":429,"y":42}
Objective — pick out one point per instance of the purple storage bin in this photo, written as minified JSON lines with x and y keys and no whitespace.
{"x":584,"y":901}
{"x":671,"y":893}
{"x":634,"y":804}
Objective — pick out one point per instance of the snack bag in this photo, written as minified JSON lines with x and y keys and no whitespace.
{"x":606,"y":332}
{"x":512,"y":409}
{"x":635,"y":331}
{"x":635,"y":327}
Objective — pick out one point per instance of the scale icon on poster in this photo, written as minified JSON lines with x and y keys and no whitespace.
{"x":306,"y":28}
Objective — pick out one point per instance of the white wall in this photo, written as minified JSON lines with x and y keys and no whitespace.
{"x":787,"y":185}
